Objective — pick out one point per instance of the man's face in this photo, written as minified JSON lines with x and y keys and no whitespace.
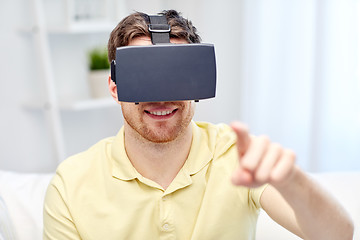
{"x":158,"y":122}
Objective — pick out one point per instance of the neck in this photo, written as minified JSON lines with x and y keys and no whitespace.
{"x":159,"y":162}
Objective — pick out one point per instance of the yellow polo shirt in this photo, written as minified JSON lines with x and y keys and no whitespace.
{"x":98,"y":195}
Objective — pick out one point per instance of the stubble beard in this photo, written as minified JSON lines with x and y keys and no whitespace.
{"x":161,"y":133}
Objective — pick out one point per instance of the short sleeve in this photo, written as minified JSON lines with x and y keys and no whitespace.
{"x":255,"y":196}
{"x":58,"y":223}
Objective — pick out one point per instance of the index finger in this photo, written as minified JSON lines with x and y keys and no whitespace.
{"x":243,"y":137}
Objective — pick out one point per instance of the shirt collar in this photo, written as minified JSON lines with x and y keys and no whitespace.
{"x":123,"y":169}
{"x":199,"y":155}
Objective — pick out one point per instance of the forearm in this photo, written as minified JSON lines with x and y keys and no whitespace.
{"x":318,"y":214}
{"x":293,"y":199}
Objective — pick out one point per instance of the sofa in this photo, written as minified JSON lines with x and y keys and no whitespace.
{"x":22,"y":194}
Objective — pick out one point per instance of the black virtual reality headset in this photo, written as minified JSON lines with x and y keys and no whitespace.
{"x":164,"y":71}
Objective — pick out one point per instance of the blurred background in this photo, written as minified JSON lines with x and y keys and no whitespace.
{"x":288,"y":69}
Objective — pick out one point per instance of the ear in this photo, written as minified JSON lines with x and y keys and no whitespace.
{"x":113,"y":89}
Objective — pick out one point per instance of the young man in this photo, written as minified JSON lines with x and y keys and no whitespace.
{"x":166,"y":177}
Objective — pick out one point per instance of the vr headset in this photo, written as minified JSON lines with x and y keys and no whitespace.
{"x":164,"y":71}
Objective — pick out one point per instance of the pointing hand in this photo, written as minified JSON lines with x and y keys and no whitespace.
{"x":260,"y":160}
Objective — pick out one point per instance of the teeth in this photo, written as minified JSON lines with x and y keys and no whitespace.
{"x":161,"y":113}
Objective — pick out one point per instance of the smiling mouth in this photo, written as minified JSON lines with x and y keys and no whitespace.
{"x":161,"y":113}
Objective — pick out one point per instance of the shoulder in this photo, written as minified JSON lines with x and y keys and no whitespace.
{"x":220,"y":137}
{"x":84,"y":164}
{"x":220,"y":130}
{"x":82,"y":159}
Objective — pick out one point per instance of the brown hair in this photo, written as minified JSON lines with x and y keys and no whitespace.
{"x":136,"y":25}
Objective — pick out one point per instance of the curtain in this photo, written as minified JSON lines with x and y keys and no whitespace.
{"x":300,"y":78}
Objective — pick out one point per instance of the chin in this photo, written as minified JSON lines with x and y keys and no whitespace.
{"x":155,"y":137}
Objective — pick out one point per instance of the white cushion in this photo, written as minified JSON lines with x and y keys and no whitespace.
{"x":23,"y":194}
{"x":6,"y":228}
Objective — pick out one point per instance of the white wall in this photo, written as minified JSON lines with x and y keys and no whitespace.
{"x":25,"y":140}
